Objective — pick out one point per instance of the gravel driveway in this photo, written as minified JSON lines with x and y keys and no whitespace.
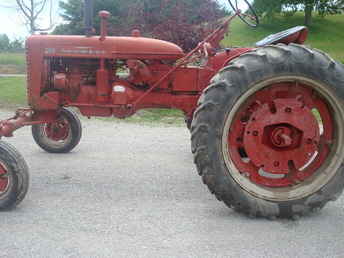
{"x":132,"y":191}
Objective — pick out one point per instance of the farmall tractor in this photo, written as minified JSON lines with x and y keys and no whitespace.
{"x":266,"y":122}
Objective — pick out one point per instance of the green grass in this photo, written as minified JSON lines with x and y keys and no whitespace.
{"x":12,"y":92}
{"x":12,"y":63}
{"x":326,"y":33}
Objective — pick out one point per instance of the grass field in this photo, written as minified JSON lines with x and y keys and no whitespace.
{"x":12,"y":63}
{"x":12,"y":92}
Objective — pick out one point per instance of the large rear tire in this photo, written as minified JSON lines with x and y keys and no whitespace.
{"x":62,"y":136}
{"x":268,"y":136}
{"x":14,"y":177}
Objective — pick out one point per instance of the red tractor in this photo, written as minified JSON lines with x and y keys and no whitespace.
{"x":266,"y":122}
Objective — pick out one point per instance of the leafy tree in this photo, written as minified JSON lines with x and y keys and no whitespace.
{"x":330,"y":7}
{"x":16,"y":45}
{"x":323,"y":7}
{"x":184,"y":22}
{"x":267,"y":8}
{"x":6,"y":45}
{"x":73,"y":14}
{"x":4,"y":42}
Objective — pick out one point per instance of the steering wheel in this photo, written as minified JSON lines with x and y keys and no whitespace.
{"x":249,"y":17}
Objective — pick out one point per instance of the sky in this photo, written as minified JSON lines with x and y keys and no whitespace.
{"x":12,"y":23}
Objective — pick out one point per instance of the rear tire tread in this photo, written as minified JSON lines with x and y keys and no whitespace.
{"x":226,"y":87}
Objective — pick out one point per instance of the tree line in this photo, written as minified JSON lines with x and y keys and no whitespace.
{"x":181,"y":21}
{"x":290,"y":7}
{"x":7,"y":45}
{"x":184,"y":22}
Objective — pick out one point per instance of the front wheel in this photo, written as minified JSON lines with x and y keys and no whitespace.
{"x":61,"y":136}
{"x":268,"y":134}
{"x":14,"y":177}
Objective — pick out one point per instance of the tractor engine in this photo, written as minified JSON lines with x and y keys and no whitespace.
{"x":68,"y":75}
{"x":101,"y":81}
{"x":91,"y":71}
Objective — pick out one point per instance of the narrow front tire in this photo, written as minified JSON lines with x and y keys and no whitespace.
{"x":61,"y":136}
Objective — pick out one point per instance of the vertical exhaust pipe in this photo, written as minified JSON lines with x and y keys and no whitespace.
{"x":88,"y":17}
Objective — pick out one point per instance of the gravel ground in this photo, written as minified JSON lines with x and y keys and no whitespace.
{"x":132,"y":191}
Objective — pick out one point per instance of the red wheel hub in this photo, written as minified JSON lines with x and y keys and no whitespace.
{"x":57,"y":131}
{"x":282,"y":136}
{"x":3,"y":179}
{"x":276,"y":140}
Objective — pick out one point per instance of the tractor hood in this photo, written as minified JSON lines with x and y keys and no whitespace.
{"x":111,"y":47}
